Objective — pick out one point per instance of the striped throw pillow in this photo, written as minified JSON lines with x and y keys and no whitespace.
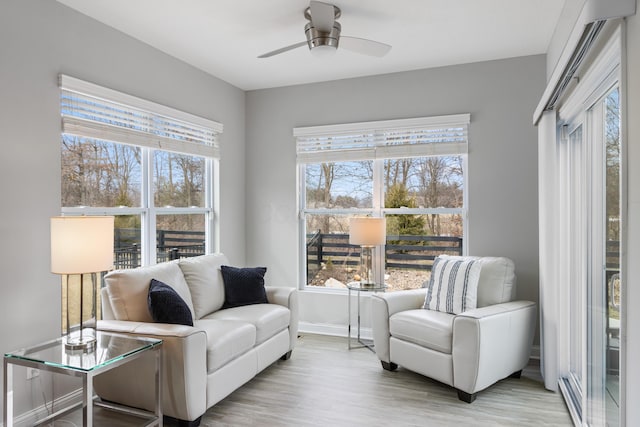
{"x":453,"y":287}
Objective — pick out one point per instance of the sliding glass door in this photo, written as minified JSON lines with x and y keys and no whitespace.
{"x":590,"y":191}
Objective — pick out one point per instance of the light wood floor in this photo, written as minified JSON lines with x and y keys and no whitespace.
{"x":324,"y":384}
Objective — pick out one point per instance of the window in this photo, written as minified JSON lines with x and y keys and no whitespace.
{"x":152,"y":167}
{"x":410,"y":171}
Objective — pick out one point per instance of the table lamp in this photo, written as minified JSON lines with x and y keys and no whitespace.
{"x":367,"y":232}
{"x":81,"y":245}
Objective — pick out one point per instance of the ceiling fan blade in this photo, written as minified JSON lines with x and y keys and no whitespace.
{"x":282,"y":50}
{"x":364,"y":46}
{"x":322,"y":15}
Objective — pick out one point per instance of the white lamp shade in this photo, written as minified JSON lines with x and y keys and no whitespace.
{"x":367,"y":231}
{"x":81,"y":244}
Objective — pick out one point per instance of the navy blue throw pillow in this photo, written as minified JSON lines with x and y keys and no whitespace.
{"x":243,"y":286}
{"x":166,"y":306}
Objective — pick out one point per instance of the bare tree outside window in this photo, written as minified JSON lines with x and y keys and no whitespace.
{"x":106,"y":175}
{"x":178,"y":180}
{"x":99,"y":173}
{"x":339,"y":190}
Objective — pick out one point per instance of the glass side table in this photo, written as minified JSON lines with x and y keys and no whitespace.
{"x":112,"y":350}
{"x":358,"y":288}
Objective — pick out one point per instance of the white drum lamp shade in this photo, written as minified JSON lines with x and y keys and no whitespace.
{"x":368,"y":233}
{"x":81,"y":244}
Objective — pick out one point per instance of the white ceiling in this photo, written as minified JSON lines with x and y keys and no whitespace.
{"x":224,"y":37}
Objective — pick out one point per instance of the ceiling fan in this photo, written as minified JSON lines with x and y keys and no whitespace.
{"x":323,"y":34}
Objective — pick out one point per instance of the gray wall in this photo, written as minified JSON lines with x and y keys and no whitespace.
{"x":40,"y":39}
{"x":500,"y":95}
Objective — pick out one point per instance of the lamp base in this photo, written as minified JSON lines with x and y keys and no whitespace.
{"x":80,"y":316}
{"x":84,"y":343}
{"x":364,"y":284}
{"x":366,"y":266}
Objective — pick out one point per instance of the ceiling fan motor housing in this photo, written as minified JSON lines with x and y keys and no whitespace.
{"x":323,"y":34}
{"x":316,"y":38}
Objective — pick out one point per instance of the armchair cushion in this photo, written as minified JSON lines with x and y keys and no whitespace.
{"x":427,"y":328}
{"x":497,"y":282}
{"x":166,"y":306}
{"x":453,"y":284}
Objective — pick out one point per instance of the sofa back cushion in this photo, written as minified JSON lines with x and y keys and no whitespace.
{"x":497,"y":282}
{"x":128,"y":289}
{"x":204,"y":279}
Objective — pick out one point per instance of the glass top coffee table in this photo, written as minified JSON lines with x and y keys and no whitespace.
{"x":112,"y":350}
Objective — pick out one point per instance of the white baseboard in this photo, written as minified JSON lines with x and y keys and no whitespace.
{"x":333,"y":330}
{"x":31,"y":417}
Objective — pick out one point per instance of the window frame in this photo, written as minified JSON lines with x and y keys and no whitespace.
{"x":148,"y":212}
{"x":378,"y":157}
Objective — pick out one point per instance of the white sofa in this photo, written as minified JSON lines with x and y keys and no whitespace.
{"x":470,"y":350}
{"x":202,"y":363}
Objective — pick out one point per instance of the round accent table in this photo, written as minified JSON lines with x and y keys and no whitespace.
{"x":359,"y":288}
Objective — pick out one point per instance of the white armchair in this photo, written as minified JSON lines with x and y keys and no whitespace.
{"x":470,"y":350}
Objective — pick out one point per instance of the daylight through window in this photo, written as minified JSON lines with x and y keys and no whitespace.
{"x":413,"y":172}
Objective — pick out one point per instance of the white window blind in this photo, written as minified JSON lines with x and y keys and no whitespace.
{"x":92,"y":111}
{"x":427,"y":136}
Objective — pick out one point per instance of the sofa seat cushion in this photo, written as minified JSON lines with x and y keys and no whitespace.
{"x":268,"y":319}
{"x":427,"y":328}
{"x":226,"y":340}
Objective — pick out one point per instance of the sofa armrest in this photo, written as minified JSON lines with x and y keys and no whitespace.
{"x":491,"y":343}
{"x":384,"y":306}
{"x":154,"y":330}
{"x":280,"y":295}
{"x":184,"y":370}
{"x":403,"y":300}
{"x":288,"y":297}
